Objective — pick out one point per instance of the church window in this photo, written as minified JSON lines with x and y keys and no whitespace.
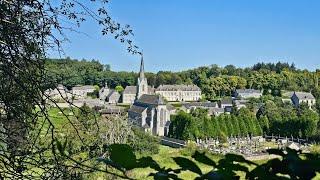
{"x":162,"y":117}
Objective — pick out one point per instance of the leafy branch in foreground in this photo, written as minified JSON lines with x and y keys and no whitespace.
{"x":28,"y":29}
{"x":288,"y":164}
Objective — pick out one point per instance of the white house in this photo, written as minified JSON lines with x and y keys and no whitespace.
{"x":303,"y":97}
{"x":81,"y":92}
{"x":247,"y":93}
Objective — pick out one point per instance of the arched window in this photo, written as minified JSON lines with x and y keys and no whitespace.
{"x":162,"y":117}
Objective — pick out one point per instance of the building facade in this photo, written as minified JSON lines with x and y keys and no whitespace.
{"x":179,"y":93}
{"x":113,"y":97}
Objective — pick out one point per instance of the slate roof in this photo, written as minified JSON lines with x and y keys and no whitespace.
{"x":137,"y":109}
{"x":304,"y":95}
{"x":133,"y":90}
{"x":238,"y":102}
{"x":226,"y":101}
{"x":150,"y":100}
{"x":178,"y":87}
{"x":130,"y":90}
{"x":170,"y":107}
{"x":112,"y":93}
{"x":200,"y":104}
{"x":87,"y":87}
{"x":104,"y":89}
{"x":249,"y":91}
{"x":216,"y":110}
{"x":112,"y":110}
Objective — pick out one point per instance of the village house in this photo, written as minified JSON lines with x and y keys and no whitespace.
{"x":226,"y":104}
{"x":81,"y":92}
{"x":212,"y":107}
{"x":303,"y":97}
{"x":247,"y":93}
{"x":110,"y":96}
{"x":240,"y":103}
{"x":104,"y":92}
{"x":113,"y":97}
{"x":60,"y":93}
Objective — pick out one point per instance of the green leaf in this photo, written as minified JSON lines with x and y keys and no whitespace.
{"x":237,"y":158}
{"x":187,"y":164}
{"x":201,"y":157}
{"x":276,"y":152}
{"x":148,"y":162}
{"x":122,"y":155}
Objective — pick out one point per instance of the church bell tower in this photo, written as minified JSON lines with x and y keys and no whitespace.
{"x":142,"y":85}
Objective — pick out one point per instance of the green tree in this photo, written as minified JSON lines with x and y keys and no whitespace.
{"x":119,"y":89}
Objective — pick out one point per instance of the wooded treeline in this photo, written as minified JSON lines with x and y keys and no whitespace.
{"x":213,"y":80}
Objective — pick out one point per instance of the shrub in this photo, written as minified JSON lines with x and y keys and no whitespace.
{"x":144,"y":143}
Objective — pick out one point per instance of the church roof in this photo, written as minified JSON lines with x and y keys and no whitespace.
{"x":133,"y":90}
{"x":141,"y":73}
{"x":137,"y":109}
{"x":150,"y":100}
{"x":130,"y":90}
{"x":178,"y":87}
{"x":170,"y":107}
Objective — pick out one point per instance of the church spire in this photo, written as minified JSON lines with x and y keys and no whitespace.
{"x":142,"y":84}
{"x":141,"y":74}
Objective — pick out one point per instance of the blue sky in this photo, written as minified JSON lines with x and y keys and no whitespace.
{"x":182,"y":34}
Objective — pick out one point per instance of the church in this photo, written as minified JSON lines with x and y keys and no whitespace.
{"x":171,"y":93}
{"x":149,"y":111}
